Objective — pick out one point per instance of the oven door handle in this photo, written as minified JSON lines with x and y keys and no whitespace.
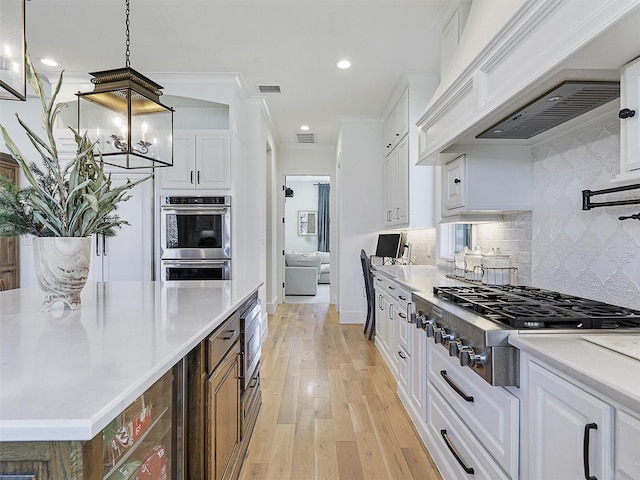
{"x":193,"y":210}
{"x":192,"y":263}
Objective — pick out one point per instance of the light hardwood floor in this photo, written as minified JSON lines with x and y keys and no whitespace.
{"x":329,"y":408}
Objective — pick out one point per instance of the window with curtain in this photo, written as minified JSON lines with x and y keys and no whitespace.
{"x":323,"y":217}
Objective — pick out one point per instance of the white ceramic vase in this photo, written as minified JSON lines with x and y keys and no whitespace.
{"x":62,"y":269}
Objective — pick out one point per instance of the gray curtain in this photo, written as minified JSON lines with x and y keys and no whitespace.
{"x":323,"y":217}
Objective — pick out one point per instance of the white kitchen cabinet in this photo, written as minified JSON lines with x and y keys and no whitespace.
{"x":484,"y":184}
{"x":630,"y":125}
{"x":127,"y":256}
{"x":490,"y":413}
{"x":627,"y":441}
{"x":396,"y":187}
{"x":562,"y":420}
{"x":456,"y":451}
{"x":418,"y":372}
{"x":201,"y":160}
{"x":396,"y":125}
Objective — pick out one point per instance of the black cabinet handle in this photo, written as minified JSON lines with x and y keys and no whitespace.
{"x":455,"y":454}
{"x":191,"y":177}
{"x":456,"y":388}
{"x":626,"y":113}
{"x":402,"y":298}
{"x":401,"y":355}
{"x":198,"y":177}
{"x":457,"y":180}
{"x":402,"y":315}
{"x":254,"y":382}
{"x":585,"y":450}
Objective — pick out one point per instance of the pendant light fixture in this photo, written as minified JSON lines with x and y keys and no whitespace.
{"x":124,"y":116}
{"x":13,"y":67}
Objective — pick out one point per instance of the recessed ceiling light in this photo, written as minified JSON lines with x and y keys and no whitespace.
{"x":304,"y":127}
{"x":343,"y":64}
{"x":49,"y":62}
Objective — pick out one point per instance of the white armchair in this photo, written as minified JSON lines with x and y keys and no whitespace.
{"x":301,"y":273}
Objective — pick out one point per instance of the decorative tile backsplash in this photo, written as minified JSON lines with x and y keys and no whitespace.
{"x":586,"y":253}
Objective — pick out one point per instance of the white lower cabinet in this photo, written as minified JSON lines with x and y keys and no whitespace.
{"x":456,"y":451}
{"x":569,"y":431}
{"x":627,"y":446}
{"x":490,"y":413}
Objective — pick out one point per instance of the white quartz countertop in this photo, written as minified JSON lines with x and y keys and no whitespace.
{"x":613,"y":374}
{"x":417,"y":278}
{"x":64,"y":375}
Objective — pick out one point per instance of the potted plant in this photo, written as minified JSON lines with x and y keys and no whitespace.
{"x":62,"y":205}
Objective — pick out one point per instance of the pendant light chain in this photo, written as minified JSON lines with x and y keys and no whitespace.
{"x":128,"y":63}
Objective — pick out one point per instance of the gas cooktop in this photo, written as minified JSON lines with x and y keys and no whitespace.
{"x":524,"y":307}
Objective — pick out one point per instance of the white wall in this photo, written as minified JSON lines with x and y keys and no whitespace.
{"x":359,"y":180}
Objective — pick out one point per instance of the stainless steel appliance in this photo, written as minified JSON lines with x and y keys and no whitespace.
{"x":474,"y":322}
{"x":195,"y":236}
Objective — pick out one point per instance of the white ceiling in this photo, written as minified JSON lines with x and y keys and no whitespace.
{"x":290,"y":43}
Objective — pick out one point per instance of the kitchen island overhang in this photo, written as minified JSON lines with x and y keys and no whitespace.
{"x":64,"y":375}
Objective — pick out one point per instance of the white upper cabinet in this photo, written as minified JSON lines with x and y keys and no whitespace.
{"x":408,"y":189}
{"x":483,"y":183}
{"x":200,"y":161}
{"x":396,"y":126}
{"x":630,"y":122}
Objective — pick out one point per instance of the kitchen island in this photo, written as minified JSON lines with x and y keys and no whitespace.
{"x":66,"y":375}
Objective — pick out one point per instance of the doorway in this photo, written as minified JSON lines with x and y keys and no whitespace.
{"x":307,"y":249}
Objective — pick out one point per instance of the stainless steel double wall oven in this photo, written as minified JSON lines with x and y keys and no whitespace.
{"x":195,"y":237}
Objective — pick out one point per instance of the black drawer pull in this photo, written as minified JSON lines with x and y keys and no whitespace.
{"x":401,"y":355}
{"x":585,"y":450}
{"x":453,"y":451}
{"x":254,"y":382}
{"x":402,"y":298}
{"x":456,"y":388}
{"x":402,"y":315}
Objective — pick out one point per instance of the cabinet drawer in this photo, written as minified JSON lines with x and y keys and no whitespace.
{"x":491,"y":413}
{"x":221,"y":341}
{"x":461,"y":455}
{"x":627,"y":440}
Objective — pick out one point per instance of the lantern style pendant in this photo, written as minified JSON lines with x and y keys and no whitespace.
{"x":125,"y":118}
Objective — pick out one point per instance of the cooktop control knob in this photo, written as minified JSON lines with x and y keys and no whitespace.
{"x":454,"y":347}
{"x":428,"y":326}
{"x":468,"y":357}
{"x":437,"y":334}
{"x":449,"y":338}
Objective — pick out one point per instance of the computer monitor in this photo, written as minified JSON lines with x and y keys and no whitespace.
{"x":389,"y":245}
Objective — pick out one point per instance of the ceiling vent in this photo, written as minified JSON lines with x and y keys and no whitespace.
{"x":269,"y":89}
{"x":566,"y":101}
{"x":305,"y":137}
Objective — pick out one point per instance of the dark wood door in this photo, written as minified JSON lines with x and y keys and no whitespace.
{"x":9,"y":253}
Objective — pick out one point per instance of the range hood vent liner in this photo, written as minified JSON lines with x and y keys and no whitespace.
{"x":566,"y":101}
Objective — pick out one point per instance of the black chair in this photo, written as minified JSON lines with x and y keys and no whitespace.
{"x":368,"y":286}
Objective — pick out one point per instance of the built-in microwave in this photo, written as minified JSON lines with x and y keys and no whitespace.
{"x":195,"y":227}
